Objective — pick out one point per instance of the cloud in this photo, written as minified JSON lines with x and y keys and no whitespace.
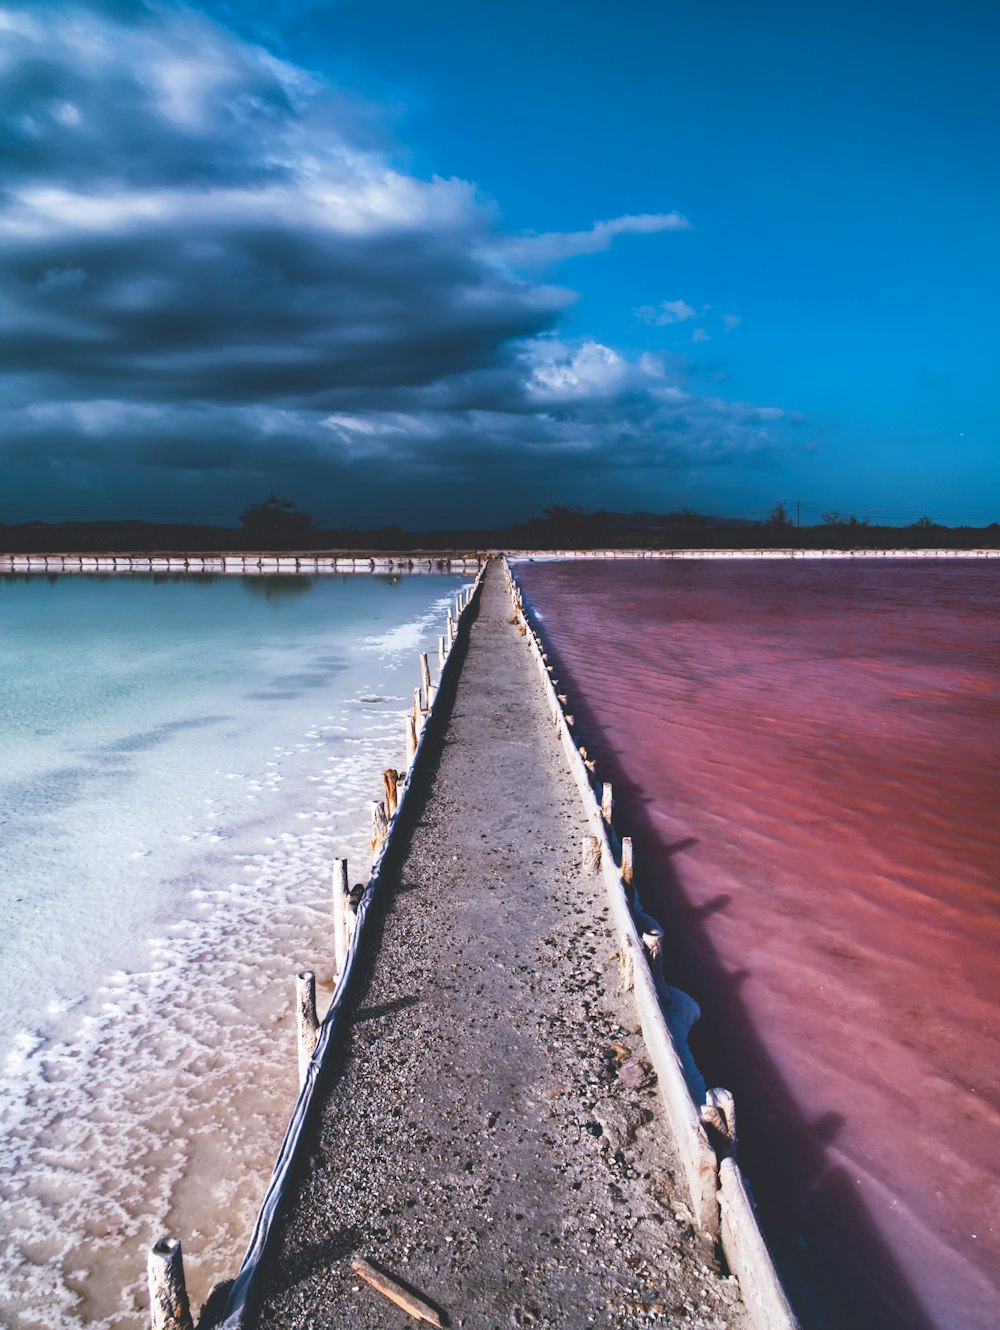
{"x":731,"y":321}
{"x":665,"y":313}
{"x":701,"y":335}
{"x":212,"y":286}
{"x":534,"y":251}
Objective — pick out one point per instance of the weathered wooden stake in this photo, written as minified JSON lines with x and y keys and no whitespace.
{"x":380,"y":826}
{"x":411,"y":740}
{"x":168,"y":1299}
{"x":307,"y":1021}
{"x":719,"y":1113}
{"x":425,"y":673}
{"x":652,"y":942}
{"x":442,"y":652}
{"x":607,"y":802}
{"x":591,"y":854}
{"x":390,"y":779}
{"x":432,"y":693}
{"x":418,"y":710}
{"x":340,"y":893}
{"x":628,"y":867}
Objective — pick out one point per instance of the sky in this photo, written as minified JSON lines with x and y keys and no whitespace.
{"x":449,"y":263}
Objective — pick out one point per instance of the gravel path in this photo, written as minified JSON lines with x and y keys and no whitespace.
{"x":484,"y":1134}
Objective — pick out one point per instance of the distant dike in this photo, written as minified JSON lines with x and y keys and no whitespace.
{"x":590,"y":533}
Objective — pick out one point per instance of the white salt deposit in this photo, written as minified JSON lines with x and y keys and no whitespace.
{"x":182,"y":762}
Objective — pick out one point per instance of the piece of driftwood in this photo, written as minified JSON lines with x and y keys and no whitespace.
{"x":340,"y":892}
{"x":168,"y":1299}
{"x":395,"y":1292}
{"x":306,"y":1019}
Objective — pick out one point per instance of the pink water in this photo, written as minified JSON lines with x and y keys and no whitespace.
{"x":807,"y":755}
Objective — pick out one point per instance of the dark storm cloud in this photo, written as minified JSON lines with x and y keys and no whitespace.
{"x":205,"y":275}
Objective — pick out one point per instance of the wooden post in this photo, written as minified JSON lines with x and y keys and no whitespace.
{"x":607,"y":802}
{"x":719,"y":1113}
{"x":628,"y":867}
{"x":380,"y":826}
{"x":390,"y":778}
{"x":432,"y":693}
{"x":425,"y":675}
{"x":652,"y":942}
{"x":442,"y":652}
{"x":307,"y":1022}
{"x":418,"y":710}
{"x":411,"y":740}
{"x":591,"y":853}
{"x":452,"y":627}
{"x":340,"y":893}
{"x":168,"y":1300}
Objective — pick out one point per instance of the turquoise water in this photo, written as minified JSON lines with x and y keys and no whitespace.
{"x":182,"y":758}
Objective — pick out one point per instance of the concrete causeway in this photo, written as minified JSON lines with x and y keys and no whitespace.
{"x":489,"y":1130}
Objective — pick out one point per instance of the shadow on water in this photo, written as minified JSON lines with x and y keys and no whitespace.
{"x":277,"y":588}
{"x":835,"y":1264}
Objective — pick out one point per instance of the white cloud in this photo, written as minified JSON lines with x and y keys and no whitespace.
{"x":731,"y":321}
{"x":204,"y":273}
{"x":665,"y":313}
{"x":701,"y":335}
{"x":536,"y":251}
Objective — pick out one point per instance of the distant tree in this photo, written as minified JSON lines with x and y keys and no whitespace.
{"x":838,"y":519}
{"x":682,"y":518}
{"x":276,"y":520}
{"x":778,"y":517}
{"x":571,"y":524}
{"x":923,"y":523}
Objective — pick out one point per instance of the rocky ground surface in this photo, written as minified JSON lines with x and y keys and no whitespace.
{"x":490,"y":1130}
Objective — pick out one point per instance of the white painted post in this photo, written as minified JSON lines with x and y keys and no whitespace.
{"x":307,"y":1021}
{"x":340,"y":894}
{"x":168,"y":1300}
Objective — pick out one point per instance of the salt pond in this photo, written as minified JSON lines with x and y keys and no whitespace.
{"x":181,"y":760}
{"x":807,"y":755}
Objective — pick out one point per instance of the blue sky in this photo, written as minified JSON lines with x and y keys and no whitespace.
{"x":445,"y":263}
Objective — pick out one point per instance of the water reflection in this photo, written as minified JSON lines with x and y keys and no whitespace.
{"x":278,"y":587}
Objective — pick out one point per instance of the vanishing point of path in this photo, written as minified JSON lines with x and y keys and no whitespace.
{"x":489,"y":1131}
